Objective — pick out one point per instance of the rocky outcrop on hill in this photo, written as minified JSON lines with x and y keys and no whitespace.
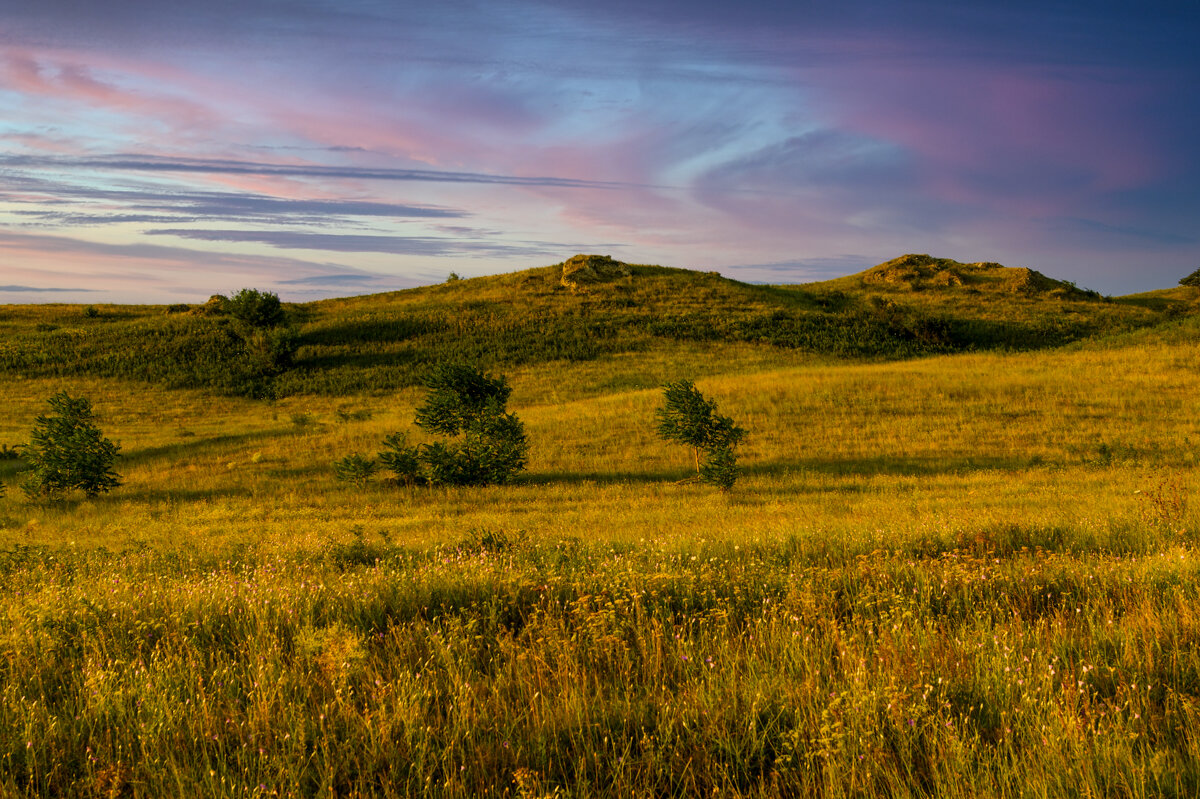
{"x":581,"y":272}
{"x":924,"y":272}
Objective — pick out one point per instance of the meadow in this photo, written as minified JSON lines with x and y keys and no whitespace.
{"x":969,"y":574}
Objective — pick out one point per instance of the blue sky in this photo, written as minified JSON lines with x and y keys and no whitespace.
{"x":152,"y":152}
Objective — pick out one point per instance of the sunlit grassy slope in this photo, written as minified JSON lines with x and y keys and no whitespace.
{"x":971,"y":574}
{"x":915,"y":305}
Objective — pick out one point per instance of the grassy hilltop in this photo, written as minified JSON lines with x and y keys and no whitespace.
{"x":972,"y":572}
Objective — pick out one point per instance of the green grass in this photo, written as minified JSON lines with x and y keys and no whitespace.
{"x":962,"y":575}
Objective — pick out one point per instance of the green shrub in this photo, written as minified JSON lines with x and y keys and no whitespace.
{"x":464,"y":402}
{"x":256,"y":308}
{"x":488,"y":444}
{"x":66,"y":451}
{"x":355,"y":468}
{"x":1191,"y":280}
{"x":401,"y":459}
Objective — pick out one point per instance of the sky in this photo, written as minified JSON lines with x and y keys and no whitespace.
{"x":162,"y":152}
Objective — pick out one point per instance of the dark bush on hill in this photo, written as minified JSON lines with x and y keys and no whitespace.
{"x":256,"y":308}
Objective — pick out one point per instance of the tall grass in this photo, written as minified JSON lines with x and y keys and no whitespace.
{"x":369,"y":669}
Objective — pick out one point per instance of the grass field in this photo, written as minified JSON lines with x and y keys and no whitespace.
{"x":961,"y":575}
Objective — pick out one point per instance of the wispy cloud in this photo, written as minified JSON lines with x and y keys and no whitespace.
{"x":348,"y":242}
{"x":161,"y":273}
{"x":801,"y":270}
{"x":216,"y":206}
{"x":41,"y":289}
{"x":339,"y":280}
{"x":144,"y":163}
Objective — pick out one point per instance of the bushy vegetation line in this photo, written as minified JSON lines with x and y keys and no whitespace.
{"x":177,"y":351}
{"x":507,"y":667}
{"x":238,"y":345}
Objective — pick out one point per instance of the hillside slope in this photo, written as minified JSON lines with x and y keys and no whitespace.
{"x":584,"y":309}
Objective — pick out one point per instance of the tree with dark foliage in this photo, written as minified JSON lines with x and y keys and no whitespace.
{"x":471,"y":406}
{"x":66,"y":451}
{"x":688,"y":418}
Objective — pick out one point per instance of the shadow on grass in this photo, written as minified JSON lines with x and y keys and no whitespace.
{"x":151,"y":496}
{"x":857,"y":467}
{"x":892,"y":466}
{"x":597,"y":478}
{"x":200,"y":446}
{"x":154,"y":496}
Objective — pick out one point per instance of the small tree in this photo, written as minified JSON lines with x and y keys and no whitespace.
{"x":256,"y":308}
{"x":688,"y":418}
{"x":402,"y":459}
{"x":66,"y":451}
{"x":355,"y":468}
{"x":488,"y":443}
{"x":470,"y":405}
{"x":1191,"y":280}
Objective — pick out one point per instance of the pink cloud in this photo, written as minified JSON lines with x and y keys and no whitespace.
{"x":1025,"y":138}
{"x":144,"y":272}
{"x":53,"y":77}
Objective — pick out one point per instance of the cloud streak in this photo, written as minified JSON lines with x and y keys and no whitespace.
{"x":352,"y":243}
{"x":146,"y":163}
{"x":40,"y":289}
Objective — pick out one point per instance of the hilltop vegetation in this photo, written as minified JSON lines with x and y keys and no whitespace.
{"x":912,"y":306}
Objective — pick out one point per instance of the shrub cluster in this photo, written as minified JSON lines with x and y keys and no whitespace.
{"x":255,"y":308}
{"x":486,"y":445}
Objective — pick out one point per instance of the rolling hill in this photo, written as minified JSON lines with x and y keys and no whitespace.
{"x":586,"y":308}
